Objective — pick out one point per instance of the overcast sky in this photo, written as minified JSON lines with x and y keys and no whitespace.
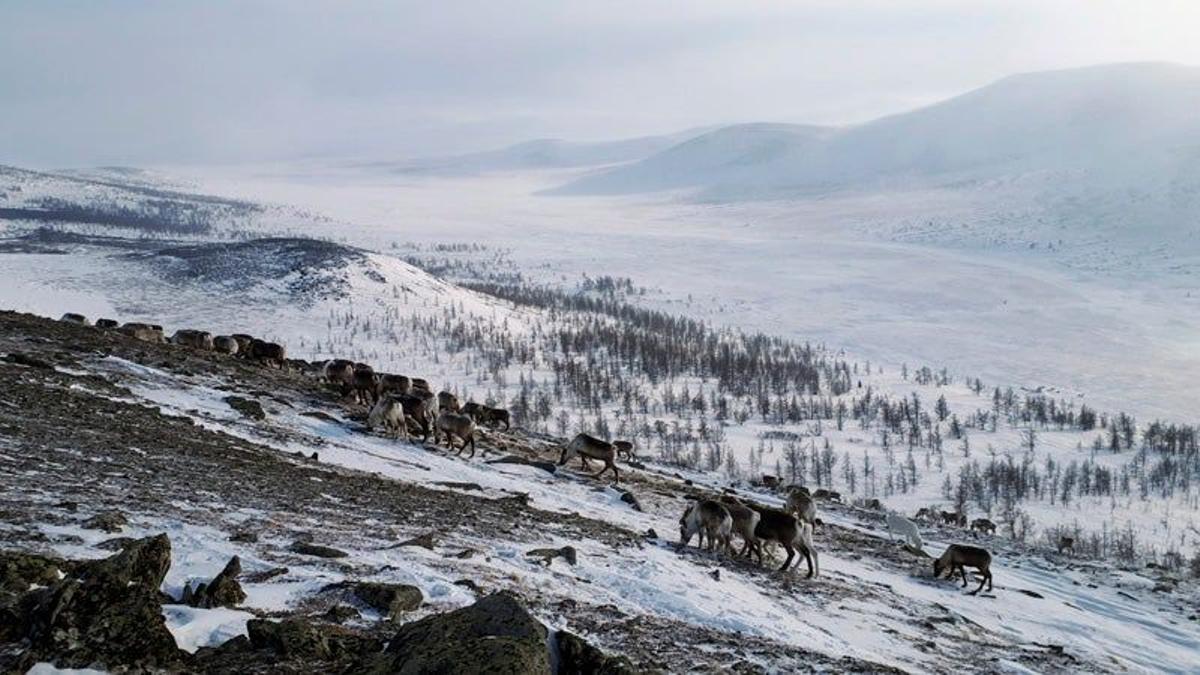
{"x":86,"y":82}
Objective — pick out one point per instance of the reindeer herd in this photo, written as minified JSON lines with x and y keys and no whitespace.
{"x":401,"y":406}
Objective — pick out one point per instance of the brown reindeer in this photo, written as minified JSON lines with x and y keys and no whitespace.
{"x":1066,"y":544}
{"x":455,"y":425}
{"x":625,"y":449}
{"x":225,"y":344}
{"x":961,"y":556}
{"x":589,"y":447}
{"x":710,"y":520}
{"x":448,"y":401}
{"x":745,"y":520}
{"x":983,"y":525}
{"x":775,"y":525}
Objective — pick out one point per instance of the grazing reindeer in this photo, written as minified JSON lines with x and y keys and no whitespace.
{"x":421,"y":407}
{"x":225,"y":344}
{"x":72,"y":317}
{"x":418,"y":383}
{"x":243,"y":341}
{"x":802,"y":505}
{"x":926,"y":515}
{"x":710,"y":520}
{"x":339,"y":373}
{"x":197,"y":339}
{"x":792,"y":534}
{"x":483,"y":414}
{"x":106,"y":324}
{"x":589,"y":447}
{"x":1066,"y":544}
{"x":954,"y":518}
{"x":393,"y":384}
{"x":906,"y":528}
{"x":268,"y":352}
{"x":388,"y":413}
{"x":143,"y":331}
{"x":961,"y":556}
{"x":745,"y":519}
{"x":454,"y":425}
{"x":448,"y":401}
{"x":983,"y":525}
{"x":625,"y":449}
{"x":365,"y":384}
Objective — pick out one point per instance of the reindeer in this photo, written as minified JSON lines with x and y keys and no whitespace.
{"x":72,"y":317}
{"x":339,"y":373}
{"x":421,"y":407}
{"x":107,"y":324}
{"x":388,"y":413}
{"x":745,"y":519}
{"x":906,"y":528}
{"x":710,"y":520}
{"x":365,"y":384}
{"x":484,"y":414}
{"x":143,"y":331}
{"x":585,"y":447}
{"x":225,"y":344}
{"x":926,"y":515}
{"x":1066,"y":544}
{"x":453,"y":425}
{"x":625,"y":449}
{"x":802,"y":505}
{"x":792,"y":534}
{"x":983,"y":525}
{"x":197,"y":339}
{"x":243,"y":341}
{"x":448,"y":401}
{"x":393,"y":384}
{"x":418,"y":383}
{"x":267,"y":352}
{"x":961,"y":556}
{"x":954,"y":518}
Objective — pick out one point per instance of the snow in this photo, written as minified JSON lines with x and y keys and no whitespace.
{"x":44,"y":668}
{"x":194,"y":628}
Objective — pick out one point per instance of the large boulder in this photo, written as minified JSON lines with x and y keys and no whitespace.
{"x":105,"y":613}
{"x":302,"y":640}
{"x":390,"y":600}
{"x":494,"y":635}
{"x":223,"y":591}
{"x":575,"y":655}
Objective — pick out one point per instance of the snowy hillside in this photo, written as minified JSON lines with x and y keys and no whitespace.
{"x":1116,"y":122}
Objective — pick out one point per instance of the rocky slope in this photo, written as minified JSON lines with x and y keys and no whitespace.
{"x":135,"y":472}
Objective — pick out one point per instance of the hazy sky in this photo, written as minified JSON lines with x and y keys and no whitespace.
{"x":143,"y":82}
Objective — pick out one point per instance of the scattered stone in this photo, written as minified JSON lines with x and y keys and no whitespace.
{"x":248,"y":407}
{"x":300,"y":639}
{"x":223,"y":591}
{"x":307,"y":548}
{"x":497,"y":631}
{"x":244,"y":537}
{"x":19,"y":571}
{"x":549,"y":467}
{"x":426,"y":540}
{"x":631,"y":499}
{"x":263,"y":576}
{"x":115,"y":544}
{"x":341,"y":614}
{"x":651,"y":534}
{"x":315,"y":457}
{"x":390,"y":600}
{"x":467,"y":583}
{"x":1032,"y":594}
{"x":465,"y":554}
{"x":68,"y":506}
{"x":26,"y":360}
{"x":107,"y":521}
{"x":459,"y":486}
{"x":575,"y":655}
{"x":548,"y":555}
{"x":321,"y":415}
{"x":715,"y":574}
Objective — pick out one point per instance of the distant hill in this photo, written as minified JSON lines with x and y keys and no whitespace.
{"x":1120,"y":123}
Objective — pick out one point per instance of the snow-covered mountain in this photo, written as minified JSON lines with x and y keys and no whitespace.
{"x":1125,"y":124}
{"x":545,"y":153}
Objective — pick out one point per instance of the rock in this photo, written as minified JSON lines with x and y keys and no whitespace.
{"x":264,"y":575}
{"x":27,"y":360}
{"x":306,"y":548}
{"x":68,"y":506}
{"x":390,"y":600}
{"x":223,"y":591}
{"x":108,"y":521}
{"x":467,"y":583}
{"x":548,"y":555}
{"x":465,"y":554}
{"x":115,"y":544}
{"x":577,"y":656}
{"x":631,"y":499}
{"x":341,"y":614}
{"x":248,"y":407}
{"x":19,"y":571}
{"x":426,"y":540}
{"x":323,"y":416}
{"x":244,"y":537}
{"x":459,"y":486}
{"x":300,"y":639}
{"x":315,"y":457}
{"x":494,"y":635}
{"x":715,"y":574}
{"x":107,"y":614}
{"x":549,"y":467}
{"x":650,"y":534}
